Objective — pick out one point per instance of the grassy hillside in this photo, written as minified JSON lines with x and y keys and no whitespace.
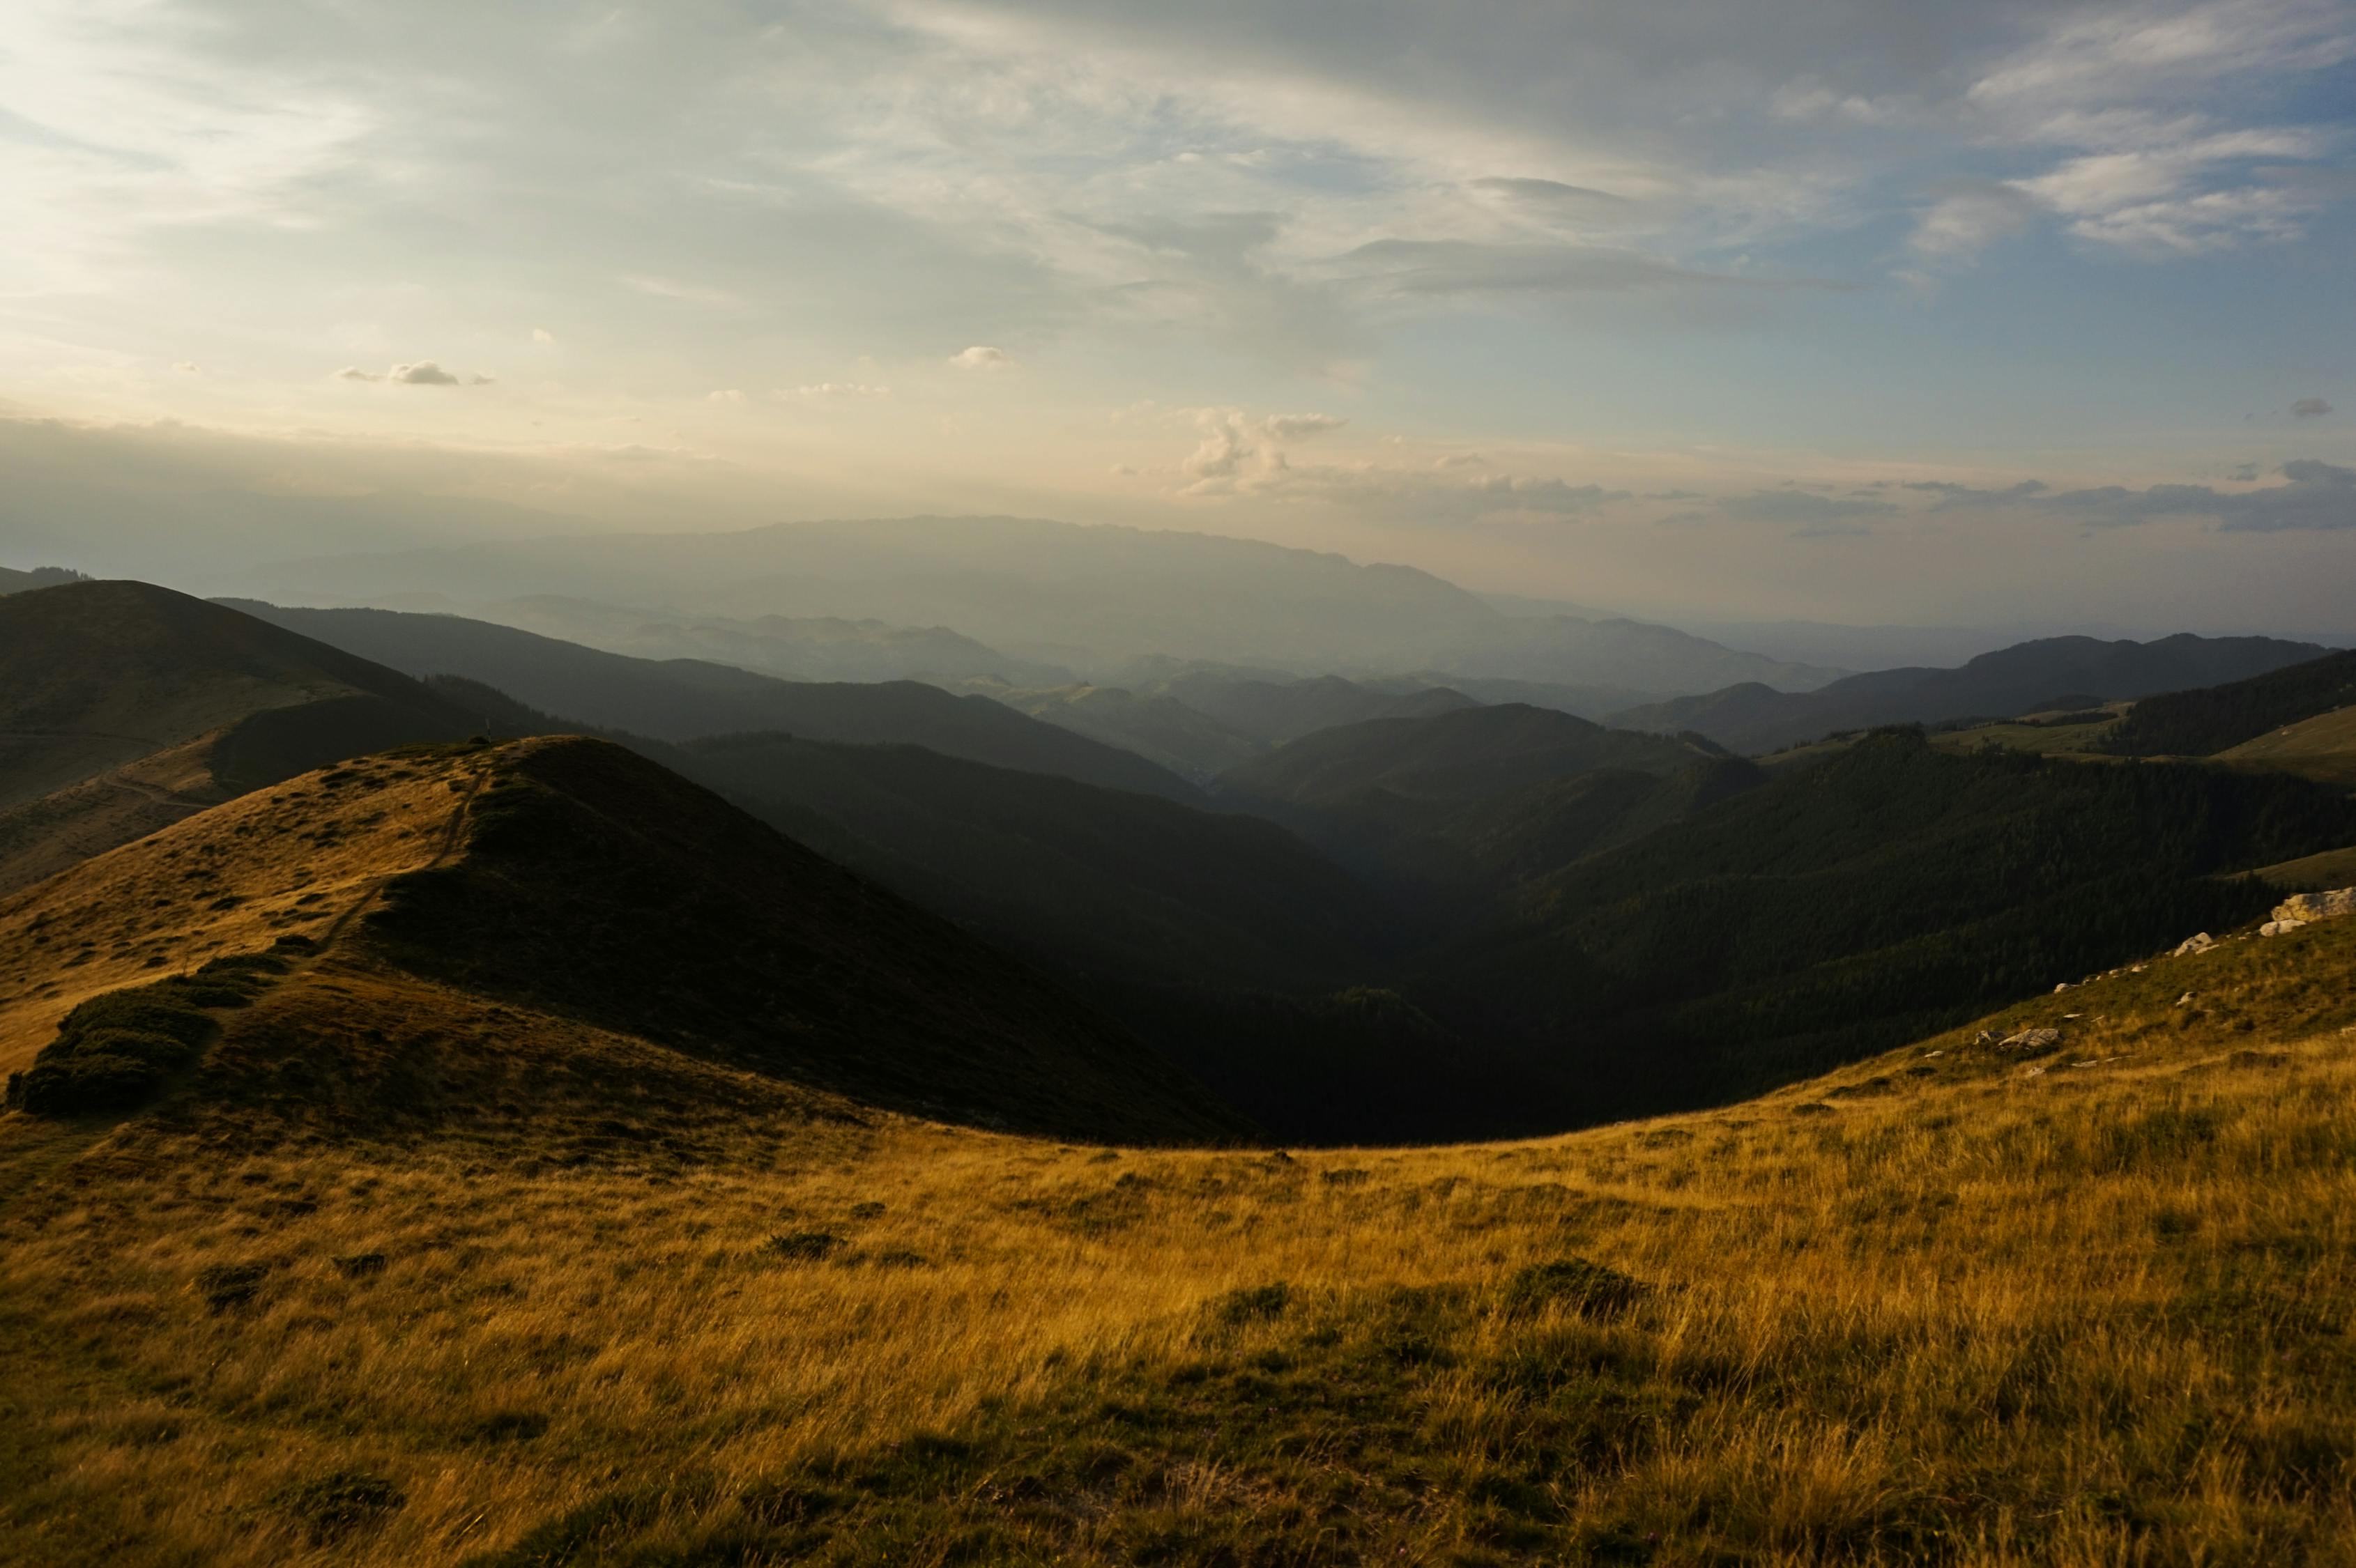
{"x":2024,"y":677}
{"x":1885,"y":892}
{"x":124,"y":706}
{"x":680,"y":699}
{"x":2201,"y":723}
{"x":2323,"y":747}
{"x":2084,"y":1304}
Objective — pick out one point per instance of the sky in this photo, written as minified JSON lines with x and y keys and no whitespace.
{"x":1865,"y":311}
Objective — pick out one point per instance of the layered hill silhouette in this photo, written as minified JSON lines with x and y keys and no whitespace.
{"x":811,"y":647}
{"x":2047,"y":673}
{"x":446,"y":920}
{"x":680,"y":699}
{"x":125,"y":706}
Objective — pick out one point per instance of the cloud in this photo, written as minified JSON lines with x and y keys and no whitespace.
{"x":542,"y":335}
{"x":1970,"y":218}
{"x":981,"y":356}
{"x":1797,"y":507}
{"x":2315,"y":498}
{"x":2309,"y":409}
{"x":1295,"y":427}
{"x":1954,"y":496}
{"x":190,"y":368}
{"x":2244,"y":474}
{"x":824,"y":391}
{"x":1434,"y":268}
{"x":1673,"y":495}
{"x":1544,"y":193}
{"x":672,"y":289}
{"x":418,"y":373}
{"x":1681,"y":520}
{"x":726,"y":395}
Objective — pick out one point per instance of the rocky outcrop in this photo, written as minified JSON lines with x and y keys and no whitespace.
{"x":2304,"y":909}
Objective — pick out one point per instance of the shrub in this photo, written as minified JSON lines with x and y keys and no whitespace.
{"x":335,"y":1505}
{"x":114,"y":1052}
{"x":228,"y":1285}
{"x":1590,"y":1289}
{"x":803,"y":1246}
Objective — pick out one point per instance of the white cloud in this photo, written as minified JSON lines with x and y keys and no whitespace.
{"x":187,"y":367}
{"x":354,"y":373}
{"x":542,"y":335}
{"x":726,"y":395}
{"x":981,"y":356}
{"x":2309,"y":409}
{"x":1297,"y":427}
{"x":1968,"y":220}
{"x":832,"y":392}
{"x":672,"y":289}
{"x":421,"y":373}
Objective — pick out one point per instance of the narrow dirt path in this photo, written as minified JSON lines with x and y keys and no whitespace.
{"x":376,"y":885}
{"x":39,"y":1149}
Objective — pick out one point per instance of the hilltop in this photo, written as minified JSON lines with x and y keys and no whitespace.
{"x":511,"y":899}
{"x":124,"y":706}
{"x":2200,"y":723}
{"x":1752,"y":718}
{"x":2001,"y":1296}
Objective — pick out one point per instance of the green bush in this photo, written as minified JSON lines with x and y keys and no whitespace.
{"x":114,"y":1052}
{"x":1590,"y":1289}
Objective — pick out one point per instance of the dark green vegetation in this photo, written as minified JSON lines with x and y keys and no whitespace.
{"x":1879,"y":895}
{"x":598,"y":886}
{"x":2026,"y":677}
{"x":15,"y":581}
{"x":2201,"y":723}
{"x":680,"y":699}
{"x":114,"y":1052}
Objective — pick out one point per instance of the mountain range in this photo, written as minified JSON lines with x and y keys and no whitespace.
{"x":2050,"y":673}
{"x":1083,"y":598}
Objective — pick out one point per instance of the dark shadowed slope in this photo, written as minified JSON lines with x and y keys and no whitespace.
{"x":1456,"y":756}
{"x":2017,"y":679}
{"x":2200,"y":722}
{"x":567,"y":892}
{"x":679,"y":700}
{"x":1099,"y":882}
{"x":124,"y":705}
{"x":1891,"y":889}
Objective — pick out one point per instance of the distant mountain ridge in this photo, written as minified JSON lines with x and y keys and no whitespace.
{"x":1085,"y":597}
{"x":1754,"y":719}
{"x":682,"y":699}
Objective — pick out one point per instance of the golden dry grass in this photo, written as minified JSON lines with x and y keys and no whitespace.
{"x":282,"y":860}
{"x":2086,"y":1309}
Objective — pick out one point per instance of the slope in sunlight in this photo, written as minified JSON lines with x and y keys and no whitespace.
{"x":2069,"y":1285}
{"x":566,"y":886}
